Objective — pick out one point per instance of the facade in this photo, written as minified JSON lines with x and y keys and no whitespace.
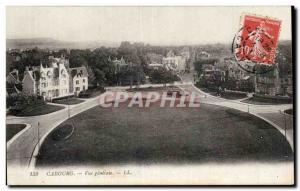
{"x":176,"y":63}
{"x":268,"y":83}
{"x":48,"y":82}
{"x":78,"y":80}
{"x":185,"y":53}
{"x":54,"y":80}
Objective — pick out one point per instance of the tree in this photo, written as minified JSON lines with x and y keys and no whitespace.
{"x":79,"y":58}
{"x":163,"y":76}
{"x":91,"y":75}
{"x":198,"y":67}
{"x":100,"y":77}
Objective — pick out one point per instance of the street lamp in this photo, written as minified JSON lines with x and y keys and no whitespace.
{"x":38,"y":134}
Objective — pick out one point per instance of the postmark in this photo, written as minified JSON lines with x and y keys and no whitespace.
{"x":257,"y":40}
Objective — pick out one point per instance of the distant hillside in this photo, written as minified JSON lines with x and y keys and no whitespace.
{"x":48,"y":43}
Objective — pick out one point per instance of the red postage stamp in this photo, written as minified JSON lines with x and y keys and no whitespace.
{"x":257,"y":39}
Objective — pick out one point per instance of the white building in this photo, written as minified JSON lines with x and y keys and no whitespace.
{"x":176,"y":63}
{"x":54,"y":80}
{"x":185,"y":53}
{"x":78,"y":80}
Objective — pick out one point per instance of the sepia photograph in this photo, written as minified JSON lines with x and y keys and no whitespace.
{"x":150,"y":95}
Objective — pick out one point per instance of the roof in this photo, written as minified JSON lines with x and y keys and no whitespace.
{"x":120,"y":62}
{"x":78,"y":71}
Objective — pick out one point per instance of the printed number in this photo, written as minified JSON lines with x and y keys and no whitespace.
{"x":34,"y":173}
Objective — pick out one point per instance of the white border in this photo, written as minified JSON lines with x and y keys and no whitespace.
{"x":107,"y":2}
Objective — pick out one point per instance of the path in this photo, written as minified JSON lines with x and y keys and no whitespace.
{"x":20,"y":151}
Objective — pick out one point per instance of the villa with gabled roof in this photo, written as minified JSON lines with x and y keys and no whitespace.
{"x":54,"y":80}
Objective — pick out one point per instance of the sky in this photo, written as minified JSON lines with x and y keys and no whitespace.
{"x":154,"y":25}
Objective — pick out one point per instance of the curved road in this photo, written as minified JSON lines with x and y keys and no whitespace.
{"x":20,"y":151}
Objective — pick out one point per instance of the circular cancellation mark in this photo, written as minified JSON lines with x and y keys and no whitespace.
{"x":245,"y":49}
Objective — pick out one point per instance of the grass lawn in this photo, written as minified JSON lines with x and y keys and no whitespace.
{"x":164,"y":135}
{"x":40,"y":109}
{"x":233,"y":95}
{"x":13,"y":129}
{"x":264,"y":101}
{"x":69,"y":101}
{"x":289,"y":111}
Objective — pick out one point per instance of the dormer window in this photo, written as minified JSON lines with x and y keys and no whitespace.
{"x":63,"y":73}
{"x":49,"y":74}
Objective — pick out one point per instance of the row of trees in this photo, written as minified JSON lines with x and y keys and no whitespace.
{"x":100,"y":65}
{"x":99,"y":62}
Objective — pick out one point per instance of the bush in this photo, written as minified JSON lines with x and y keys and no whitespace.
{"x":19,"y":101}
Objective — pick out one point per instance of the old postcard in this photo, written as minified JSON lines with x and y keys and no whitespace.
{"x":149,"y":95}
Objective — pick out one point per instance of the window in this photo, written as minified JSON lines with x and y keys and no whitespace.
{"x":83,"y":87}
{"x":55,"y":83}
{"x":49,"y":74}
{"x":83,"y":80}
{"x":77,"y":82}
{"x":77,"y":89}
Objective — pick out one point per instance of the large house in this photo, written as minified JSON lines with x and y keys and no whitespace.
{"x":268,"y":83}
{"x":54,"y":80}
{"x":78,"y":80}
{"x":176,"y":63}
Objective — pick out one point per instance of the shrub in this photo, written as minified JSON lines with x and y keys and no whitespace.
{"x":20,"y":100}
